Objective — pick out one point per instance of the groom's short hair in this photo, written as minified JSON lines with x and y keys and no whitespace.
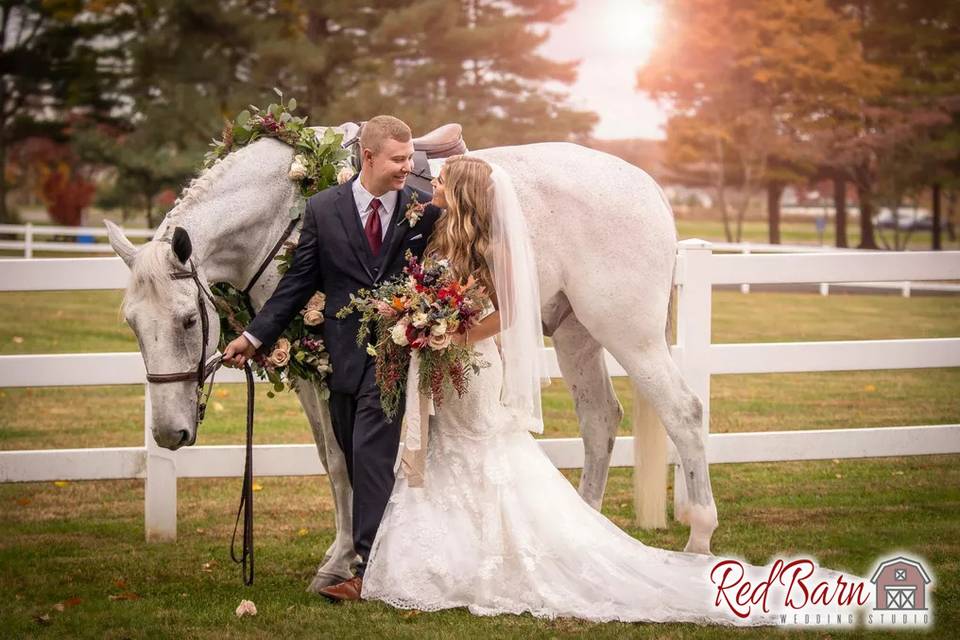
{"x":380,"y":128}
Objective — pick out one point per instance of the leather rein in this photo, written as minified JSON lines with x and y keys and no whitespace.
{"x":207,"y":368}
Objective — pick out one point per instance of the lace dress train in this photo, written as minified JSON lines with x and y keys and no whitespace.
{"x":498,"y":529}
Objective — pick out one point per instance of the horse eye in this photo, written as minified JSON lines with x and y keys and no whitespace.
{"x":189,"y":322}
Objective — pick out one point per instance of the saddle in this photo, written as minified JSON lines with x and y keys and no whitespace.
{"x":442,"y":142}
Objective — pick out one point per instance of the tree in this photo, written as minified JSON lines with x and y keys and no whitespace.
{"x":468,"y":61}
{"x":887,"y":143}
{"x":59,"y":58}
{"x":751,"y":84}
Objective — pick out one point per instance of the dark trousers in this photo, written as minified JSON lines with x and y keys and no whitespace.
{"x":370,"y":443}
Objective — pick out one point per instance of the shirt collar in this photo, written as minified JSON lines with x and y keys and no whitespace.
{"x":363,"y":197}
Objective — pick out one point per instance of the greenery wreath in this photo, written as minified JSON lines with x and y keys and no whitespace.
{"x":320,"y":161}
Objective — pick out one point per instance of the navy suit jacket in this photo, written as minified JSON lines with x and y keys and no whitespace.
{"x":333,"y":256}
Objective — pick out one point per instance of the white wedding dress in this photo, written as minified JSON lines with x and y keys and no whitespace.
{"x":498,"y":529}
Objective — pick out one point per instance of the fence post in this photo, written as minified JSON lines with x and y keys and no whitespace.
{"x":694,"y":309}
{"x":160,"y":484}
{"x":745,"y":286}
{"x":28,"y":240}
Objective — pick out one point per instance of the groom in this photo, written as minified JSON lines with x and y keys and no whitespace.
{"x":354,"y":236}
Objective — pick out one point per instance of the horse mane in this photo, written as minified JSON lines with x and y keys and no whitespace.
{"x":150,"y":271}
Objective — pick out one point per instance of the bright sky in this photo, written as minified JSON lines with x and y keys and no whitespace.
{"x":612,"y":38}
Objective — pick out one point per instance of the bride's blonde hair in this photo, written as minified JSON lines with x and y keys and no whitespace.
{"x":462,"y":234}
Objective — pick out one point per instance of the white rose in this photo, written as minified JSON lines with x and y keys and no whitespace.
{"x":420,"y":320}
{"x":345,"y":174}
{"x":312,"y":318}
{"x":298,"y":170}
{"x":399,"y":334}
{"x":440,"y":328}
{"x":439,"y":342}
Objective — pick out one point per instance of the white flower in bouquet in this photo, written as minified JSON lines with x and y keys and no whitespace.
{"x":399,"y":333}
{"x":298,"y":169}
{"x":420,"y":319}
{"x":345,"y":174}
{"x":440,"y":328}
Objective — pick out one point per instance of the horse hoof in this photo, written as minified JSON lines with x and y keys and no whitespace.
{"x":322,"y":580}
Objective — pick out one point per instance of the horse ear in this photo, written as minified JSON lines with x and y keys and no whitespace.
{"x":182,"y":247}
{"x":123,"y":247}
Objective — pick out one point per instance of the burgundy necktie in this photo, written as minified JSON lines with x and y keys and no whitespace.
{"x":373,"y":229}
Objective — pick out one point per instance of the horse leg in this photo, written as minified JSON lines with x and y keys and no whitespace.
{"x":340,"y":558}
{"x":658,"y":379}
{"x":599,"y":412}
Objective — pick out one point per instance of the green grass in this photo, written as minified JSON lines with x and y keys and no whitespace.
{"x":800,"y":233}
{"x":83,"y":542}
{"x":79,"y":543}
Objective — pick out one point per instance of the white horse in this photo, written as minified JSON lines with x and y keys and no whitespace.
{"x":605,"y":242}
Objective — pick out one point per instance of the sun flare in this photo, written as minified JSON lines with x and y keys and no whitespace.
{"x":631,"y":26}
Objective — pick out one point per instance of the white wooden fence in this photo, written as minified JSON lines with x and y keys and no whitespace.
{"x":30,"y":243}
{"x":698,"y":269}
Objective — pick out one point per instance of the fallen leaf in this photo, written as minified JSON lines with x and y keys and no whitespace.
{"x":870,"y":388}
{"x":257,"y":486}
{"x":72,"y":602}
{"x":839,"y":475}
{"x":836,"y":461}
{"x":18,"y":339}
{"x":120,"y":583}
{"x":59,"y":606}
{"x":201,"y":530}
{"x":218,"y":407}
{"x":43,"y":620}
{"x":898,"y":473}
{"x":246,"y":608}
{"x":125,"y":596}
{"x":302,"y":532}
{"x":208,"y":566}
{"x":24,"y":501}
{"x":411,"y":613}
{"x":222,"y":393}
{"x":60,"y":483}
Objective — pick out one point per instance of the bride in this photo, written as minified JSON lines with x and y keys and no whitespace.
{"x":484,"y":520}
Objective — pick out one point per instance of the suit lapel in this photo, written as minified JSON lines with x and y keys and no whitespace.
{"x":347,"y":213}
{"x":399,"y":227}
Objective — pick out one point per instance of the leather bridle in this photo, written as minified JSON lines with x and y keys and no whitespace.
{"x":207,"y":368}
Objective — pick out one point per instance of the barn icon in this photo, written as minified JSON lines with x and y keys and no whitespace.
{"x":900,"y":584}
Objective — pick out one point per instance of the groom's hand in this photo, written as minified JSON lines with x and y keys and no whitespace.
{"x":238,"y":352}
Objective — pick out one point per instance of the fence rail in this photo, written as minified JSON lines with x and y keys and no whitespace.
{"x":698,"y":270}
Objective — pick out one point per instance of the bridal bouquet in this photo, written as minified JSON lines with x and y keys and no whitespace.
{"x":418,"y":313}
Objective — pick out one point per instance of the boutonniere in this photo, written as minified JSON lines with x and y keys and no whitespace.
{"x":414,"y":210}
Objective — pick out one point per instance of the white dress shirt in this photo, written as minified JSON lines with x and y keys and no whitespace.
{"x":363,"y":198}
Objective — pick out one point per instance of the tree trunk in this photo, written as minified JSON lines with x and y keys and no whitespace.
{"x":840,"y":210}
{"x":721,"y":191}
{"x":951,"y":209}
{"x":774,"y":192}
{"x":867,"y":239}
{"x":935,"y":231}
{"x":4,"y":215}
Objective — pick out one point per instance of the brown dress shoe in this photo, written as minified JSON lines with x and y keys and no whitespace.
{"x":346,"y":590}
